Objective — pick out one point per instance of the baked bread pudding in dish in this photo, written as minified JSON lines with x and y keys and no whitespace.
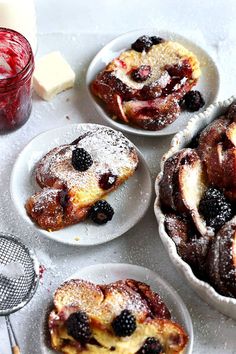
{"x":124,"y":317}
{"x":147,"y":85}
{"x":76,"y":177}
{"x":197,"y":193}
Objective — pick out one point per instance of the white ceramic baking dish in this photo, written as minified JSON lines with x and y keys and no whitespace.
{"x":223,"y":304}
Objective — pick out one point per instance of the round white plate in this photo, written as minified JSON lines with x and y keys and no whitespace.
{"x":108,"y":273}
{"x":130,"y":201}
{"x":208,"y":83}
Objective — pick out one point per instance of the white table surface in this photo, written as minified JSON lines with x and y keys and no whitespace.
{"x":79,"y":28}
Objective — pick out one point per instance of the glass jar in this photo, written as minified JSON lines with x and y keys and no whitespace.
{"x":20,"y":15}
{"x":16,"y":69}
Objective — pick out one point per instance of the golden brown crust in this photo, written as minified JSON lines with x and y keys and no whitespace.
{"x":102,"y":303}
{"x":152,"y":104}
{"x":217,"y":150}
{"x":211,"y":254}
{"x":46,"y":209}
{"x":153,"y":300}
{"x":67,"y":193}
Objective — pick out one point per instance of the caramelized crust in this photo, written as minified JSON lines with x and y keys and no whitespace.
{"x":154,"y":103}
{"x":102,"y":303}
{"x":211,"y":254}
{"x":192,"y":247}
{"x":217,"y":150}
{"x":183,"y":184}
{"x":68,"y":194}
{"x":227,"y":253}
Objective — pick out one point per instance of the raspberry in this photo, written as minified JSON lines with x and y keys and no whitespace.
{"x":141,"y":74}
{"x":215,"y":208}
{"x":101,"y":212}
{"x":124,"y":324}
{"x":78,"y":327}
{"x":193,"y":101}
{"x":151,"y":346}
{"x":143,"y":43}
{"x":81,"y":159}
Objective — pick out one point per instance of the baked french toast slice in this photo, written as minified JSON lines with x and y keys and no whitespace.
{"x":217,"y":149}
{"x":182,"y":185}
{"x":100,"y":306}
{"x":221,"y":261}
{"x":67,"y":191}
{"x":198,"y":195}
{"x":144,"y":88}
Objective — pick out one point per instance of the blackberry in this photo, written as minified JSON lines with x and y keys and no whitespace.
{"x":101,"y":212}
{"x":215,"y":208}
{"x":81,"y":159}
{"x":141,"y":74}
{"x":151,"y":346}
{"x":124,"y":324}
{"x":156,"y":40}
{"x":78,"y":327}
{"x":143,"y":43}
{"x":193,"y":101}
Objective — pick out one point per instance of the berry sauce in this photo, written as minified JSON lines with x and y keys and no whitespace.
{"x":107,"y":180}
{"x":16,"y":69}
{"x":179,"y":74}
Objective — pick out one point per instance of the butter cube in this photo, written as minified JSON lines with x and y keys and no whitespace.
{"x":52,"y":75}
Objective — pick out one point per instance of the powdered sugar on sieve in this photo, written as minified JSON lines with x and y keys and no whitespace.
{"x":12,"y":270}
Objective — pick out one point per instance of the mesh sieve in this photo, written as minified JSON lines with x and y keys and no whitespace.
{"x":16,"y":292}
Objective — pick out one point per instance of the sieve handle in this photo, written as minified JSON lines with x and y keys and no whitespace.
{"x":16,"y":349}
{"x":12,"y":338}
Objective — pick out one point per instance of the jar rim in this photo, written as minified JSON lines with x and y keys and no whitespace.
{"x":24,"y":71}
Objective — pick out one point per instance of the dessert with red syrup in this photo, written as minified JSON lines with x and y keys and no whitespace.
{"x":148,"y":85}
{"x":76,"y":177}
{"x":124,"y":317}
{"x":16,"y":69}
{"x":198,"y":199}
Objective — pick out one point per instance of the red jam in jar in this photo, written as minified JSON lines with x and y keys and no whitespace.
{"x":16,"y":69}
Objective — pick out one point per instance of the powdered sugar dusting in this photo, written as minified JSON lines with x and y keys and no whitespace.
{"x":159,"y":56}
{"x":103,"y":302}
{"x":110,"y":152}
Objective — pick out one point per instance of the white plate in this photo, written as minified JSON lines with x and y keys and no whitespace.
{"x":108,"y":273}
{"x":130,"y":201}
{"x":222,"y":303}
{"x":208,"y":83}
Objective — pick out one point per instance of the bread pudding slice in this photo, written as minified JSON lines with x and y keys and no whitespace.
{"x":75,"y":176}
{"x":222,"y":259}
{"x":124,"y":317}
{"x":144,"y":85}
{"x":217,"y":149}
{"x":198,"y":197}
